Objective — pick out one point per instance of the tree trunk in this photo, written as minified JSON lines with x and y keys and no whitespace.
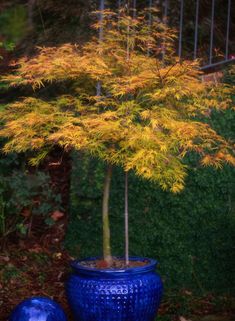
{"x":106,"y":228}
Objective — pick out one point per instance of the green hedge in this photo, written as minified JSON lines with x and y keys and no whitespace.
{"x":191,"y":234}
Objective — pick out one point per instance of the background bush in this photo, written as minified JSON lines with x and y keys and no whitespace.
{"x":24,"y":195}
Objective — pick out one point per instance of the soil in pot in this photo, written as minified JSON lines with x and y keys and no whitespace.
{"x":116,"y":264}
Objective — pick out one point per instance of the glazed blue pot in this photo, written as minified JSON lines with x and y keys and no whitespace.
{"x":131,"y":294}
{"x":38,"y":309}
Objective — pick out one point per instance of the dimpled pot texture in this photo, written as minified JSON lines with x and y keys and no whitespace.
{"x":130,"y":294}
{"x":38,"y":309}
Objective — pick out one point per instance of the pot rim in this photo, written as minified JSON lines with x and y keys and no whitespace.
{"x":80,"y":269}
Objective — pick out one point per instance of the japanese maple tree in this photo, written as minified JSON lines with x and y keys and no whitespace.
{"x":151,"y":112}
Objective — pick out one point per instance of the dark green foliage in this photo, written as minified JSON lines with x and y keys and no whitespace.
{"x":13,"y":23}
{"x":192,"y":234}
{"x":10,"y":272}
{"x":23,"y":195}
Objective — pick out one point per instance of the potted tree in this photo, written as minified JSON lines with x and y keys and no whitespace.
{"x":148,"y":114}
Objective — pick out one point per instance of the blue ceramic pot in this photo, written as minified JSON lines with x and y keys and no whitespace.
{"x":38,"y":309}
{"x":131,"y":294}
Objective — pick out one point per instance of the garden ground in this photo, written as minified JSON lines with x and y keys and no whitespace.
{"x":40,"y":269}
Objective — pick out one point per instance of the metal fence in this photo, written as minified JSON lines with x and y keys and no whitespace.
{"x":185,"y":16}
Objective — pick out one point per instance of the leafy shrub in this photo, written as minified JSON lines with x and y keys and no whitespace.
{"x":24,"y":195}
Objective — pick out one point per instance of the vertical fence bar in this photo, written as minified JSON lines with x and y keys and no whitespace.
{"x":134,"y":9}
{"x":126,"y":214}
{"x":212,"y":31}
{"x":150,"y":13}
{"x":119,"y":8}
{"x":101,"y":36}
{"x":119,"y":12}
{"x":181,"y":27}
{"x":165,"y":16}
{"x":165,"y":13}
{"x":134,"y":3}
{"x":228,"y":29}
{"x":150,"y":20}
{"x":196,"y":30}
{"x":101,"y":17}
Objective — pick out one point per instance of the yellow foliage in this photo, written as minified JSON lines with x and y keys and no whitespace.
{"x":145,"y":119}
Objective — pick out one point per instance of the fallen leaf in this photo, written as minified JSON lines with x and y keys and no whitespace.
{"x":5,"y":258}
{"x":26,"y":212}
{"x":56,"y":215}
{"x":102,"y":264}
{"x":188,"y":292}
{"x":57,"y":256}
{"x":35,"y":249}
{"x":183,"y":319}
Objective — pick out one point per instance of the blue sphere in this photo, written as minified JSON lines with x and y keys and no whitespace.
{"x":38,"y":309}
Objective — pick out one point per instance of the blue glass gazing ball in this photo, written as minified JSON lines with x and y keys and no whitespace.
{"x":38,"y":309}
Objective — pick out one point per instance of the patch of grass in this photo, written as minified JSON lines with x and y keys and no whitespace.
{"x":164,"y":318}
{"x":196,"y":307}
{"x":41,"y":278}
{"x":10,"y":272}
{"x":223,"y":303}
{"x":40,"y":259}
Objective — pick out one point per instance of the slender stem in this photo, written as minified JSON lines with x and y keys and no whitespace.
{"x":106,"y":228}
{"x":2,"y":217}
{"x":128,"y":42}
{"x":126,"y":221}
{"x":41,"y":18}
{"x":126,"y":174}
{"x":30,"y":221}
